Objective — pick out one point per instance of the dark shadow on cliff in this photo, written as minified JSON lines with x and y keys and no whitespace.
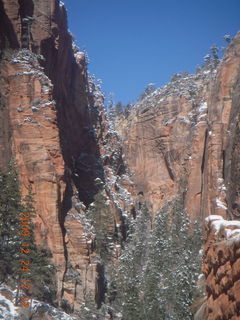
{"x":75,"y":114}
{"x":26,"y":10}
{"x":8,"y":38}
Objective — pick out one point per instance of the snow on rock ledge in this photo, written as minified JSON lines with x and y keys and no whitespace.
{"x":220,"y":227}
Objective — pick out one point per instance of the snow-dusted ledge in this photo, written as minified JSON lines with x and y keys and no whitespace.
{"x":219,"y":226}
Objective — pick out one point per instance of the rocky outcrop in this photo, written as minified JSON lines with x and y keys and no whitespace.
{"x":185,"y":136}
{"x":221,"y":260}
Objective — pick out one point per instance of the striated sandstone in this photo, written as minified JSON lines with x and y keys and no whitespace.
{"x":53,"y":124}
{"x":35,"y":124}
{"x":185,"y":136}
{"x":35,"y":145}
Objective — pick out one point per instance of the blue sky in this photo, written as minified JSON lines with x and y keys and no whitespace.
{"x":131,"y":43}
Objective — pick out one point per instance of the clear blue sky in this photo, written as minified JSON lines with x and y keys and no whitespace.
{"x":131,"y":43}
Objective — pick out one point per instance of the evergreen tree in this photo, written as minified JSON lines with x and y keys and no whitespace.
{"x":173,"y":265}
{"x":100,"y":216}
{"x":132,"y":261}
{"x":15,"y":214}
{"x":227,"y":38}
{"x":159,"y":267}
{"x":10,"y":209}
{"x":127,"y":109}
{"x":215,"y":54}
{"x":119,"y":108}
{"x":151,"y":87}
{"x":41,"y":270}
{"x":110,"y":108}
{"x":89,"y":310}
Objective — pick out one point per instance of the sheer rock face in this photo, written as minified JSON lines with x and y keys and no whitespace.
{"x":186,"y":135}
{"x":53,"y":124}
{"x":31,"y":118}
{"x":221,"y":261}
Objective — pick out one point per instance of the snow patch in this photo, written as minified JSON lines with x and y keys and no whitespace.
{"x":200,"y":123}
{"x":7,"y":308}
{"x":204,"y":115}
{"x":213,"y":218}
{"x":220,"y":204}
{"x":203,"y":107}
{"x":230,"y":229}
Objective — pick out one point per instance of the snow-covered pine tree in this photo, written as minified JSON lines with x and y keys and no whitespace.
{"x":173,"y":265}
{"x":130,"y":276}
{"x":159,"y":267}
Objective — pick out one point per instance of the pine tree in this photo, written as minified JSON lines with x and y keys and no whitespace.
{"x":119,"y":109}
{"x":13,"y":212}
{"x":10,"y":209}
{"x":100,"y":215}
{"x":110,"y":108}
{"x":215,"y":54}
{"x":132,"y":263}
{"x":41,"y":270}
{"x":227,"y":38}
{"x":89,"y":310}
{"x":173,"y":265}
{"x":151,"y":87}
{"x":158,"y":267}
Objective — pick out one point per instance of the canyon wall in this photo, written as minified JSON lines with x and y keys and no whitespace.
{"x":182,"y":138}
{"x":54,"y":127}
{"x":185,"y":136}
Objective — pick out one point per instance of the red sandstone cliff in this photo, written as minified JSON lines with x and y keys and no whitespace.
{"x":53,"y":124}
{"x":185,"y":135}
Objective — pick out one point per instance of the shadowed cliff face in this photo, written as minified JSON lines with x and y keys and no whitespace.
{"x":185,"y":135}
{"x":42,"y":28}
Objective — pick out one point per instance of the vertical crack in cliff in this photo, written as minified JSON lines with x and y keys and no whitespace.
{"x":168,"y":166}
{"x":161,"y":146}
{"x":224,"y":163}
{"x":203,"y":173}
{"x":204,"y":151}
{"x":64,"y":207}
